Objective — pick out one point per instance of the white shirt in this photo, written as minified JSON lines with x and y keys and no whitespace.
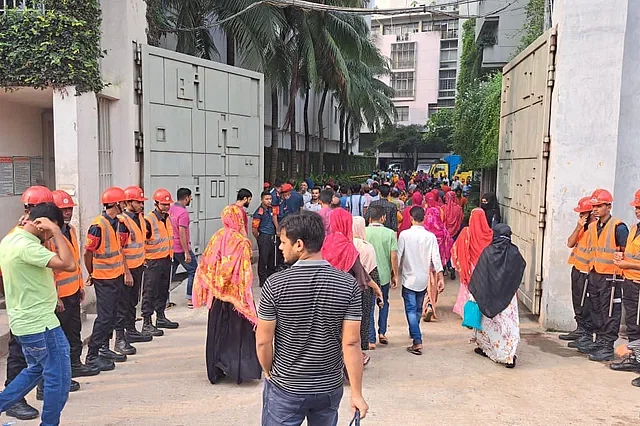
{"x":313,"y":207}
{"x":306,"y":197}
{"x":356,"y":204}
{"x":417,"y":251}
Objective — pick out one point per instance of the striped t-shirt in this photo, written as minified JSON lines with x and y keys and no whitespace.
{"x":309,"y":302}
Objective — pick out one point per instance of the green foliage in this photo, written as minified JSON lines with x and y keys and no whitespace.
{"x":400,"y":138}
{"x":56,"y":49}
{"x":470,"y":58}
{"x":534,"y":24}
{"x":438,"y":133}
{"x":156,"y":21}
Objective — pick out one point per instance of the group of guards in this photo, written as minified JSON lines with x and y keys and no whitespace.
{"x":126,"y":252}
{"x":605,"y":278}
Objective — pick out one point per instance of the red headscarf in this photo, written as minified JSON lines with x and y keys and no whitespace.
{"x":338,"y":248}
{"x":417,"y":199}
{"x":434,"y":224}
{"x":445,"y":188}
{"x":470,"y":243}
{"x":431,"y":199}
{"x":453,"y":214}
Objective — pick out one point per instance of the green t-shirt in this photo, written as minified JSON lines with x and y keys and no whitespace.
{"x":384,"y":241}
{"x":29,"y":287}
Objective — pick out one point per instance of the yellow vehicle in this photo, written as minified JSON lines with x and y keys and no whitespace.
{"x":451,"y":163}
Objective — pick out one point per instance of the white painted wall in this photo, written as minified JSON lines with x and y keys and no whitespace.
{"x":594,"y":128}
{"x":20,"y":135}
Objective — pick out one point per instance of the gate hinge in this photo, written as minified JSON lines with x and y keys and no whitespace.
{"x":139,"y":141}
{"x":138,"y":54}
{"x":546,"y":146}
{"x":542,"y":217}
{"x":138,"y":85}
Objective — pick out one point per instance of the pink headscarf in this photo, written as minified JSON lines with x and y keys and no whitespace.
{"x":434,"y":224}
{"x":366,"y":250}
{"x":453,"y":214}
{"x":430,"y":200}
{"x":338,"y":248}
{"x":417,"y":199}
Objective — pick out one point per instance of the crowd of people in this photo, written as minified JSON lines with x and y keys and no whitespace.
{"x":128,"y":256}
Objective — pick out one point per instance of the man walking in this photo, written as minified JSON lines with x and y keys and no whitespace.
{"x":390,"y":209}
{"x":182,"y":253}
{"x":264,"y":225}
{"x":314,"y":205}
{"x":308,"y":331}
{"x":31,"y":300}
{"x":417,"y":252}
{"x":243,"y":200}
{"x":357,"y":203}
{"x":385,"y":244}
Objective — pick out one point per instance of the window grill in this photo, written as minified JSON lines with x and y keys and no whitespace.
{"x":105,"y":152}
{"x":21,"y":5}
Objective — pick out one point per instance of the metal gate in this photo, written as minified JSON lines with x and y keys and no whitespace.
{"x":202,"y":127}
{"x":523,"y":155}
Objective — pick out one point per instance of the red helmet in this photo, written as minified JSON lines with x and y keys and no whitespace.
{"x":584,"y":205}
{"x":601,"y":196}
{"x":36,"y":195}
{"x":636,"y":199}
{"x":134,"y":193}
{"x":63,"y":200}
{"x":113,"y":195}
{"x":162,"y":196}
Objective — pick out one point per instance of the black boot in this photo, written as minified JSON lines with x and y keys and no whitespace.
{"x":122,"y":346}
{"x":629,"y":363}
{"x":100,"y":363}
{"x":134,"y":336}
{"x":453,"y":274}
{"x":23,"y":411}
{"x":149,"y":329}
{"x":75,"y":386}
{"x":163,"y":322}
{"x":79,"y":369}
{"x":605,"y":353}
{"x":574,"y":335}
{"x":107,"y":353}
{"x":589,"y":346}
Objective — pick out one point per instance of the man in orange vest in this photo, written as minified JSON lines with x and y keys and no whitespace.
{"x":70,"y":286}
{"x":158,"y":248}
{"x":607,"y":236}
{"x":580,"y":257}
{"x":630,"y":265}
{"x":133,"y":250}
{"x":16,"y":361}
{"x":104,"y":261}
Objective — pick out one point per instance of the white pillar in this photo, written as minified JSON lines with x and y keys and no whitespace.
{"x":594,"y":128}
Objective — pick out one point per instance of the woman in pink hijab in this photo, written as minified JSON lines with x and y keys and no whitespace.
{"x":416,"y":200}
{"x":433,"y":223}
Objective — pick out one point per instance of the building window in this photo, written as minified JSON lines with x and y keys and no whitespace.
{"x":446,"y":103}
{"x":403,"y":55}
{"x":446,"y":94}
{"x":448,"y":44}
{"x":447,"y":80}
{"x":433,"y":108}
{"x":400,"y":29}
{"x":105,"y":152}
{"x":448,"y":55}
{"x":402,"y":83}
{"x":448,"y":28}
{"x":375,"y":29}
{"x":402,"y":114}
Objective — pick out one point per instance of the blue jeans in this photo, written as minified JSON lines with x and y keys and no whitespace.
{"x":48,"y":358}
{"x":282,"y":408}
{"x":413,"y":309}
{"x":383,"y":315}
{"x":178,"y":259}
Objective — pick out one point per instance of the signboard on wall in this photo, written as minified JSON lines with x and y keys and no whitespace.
{"x":6,"y":176}
{"x":21,"y":174}
{"x":37,"y":171}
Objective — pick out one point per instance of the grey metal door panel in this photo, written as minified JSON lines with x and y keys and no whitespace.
{"x":214,"y":145}
{"x":198,"y":131}
{"x":240,"y":134}
{"x":170,"y":164}
{"x":523,"y":153}
{"x":170,"y":129}
{"x":215,"y":165}
{"x":216,"y":91}
{"x":242,"y":93}
{"x":242,"y":165}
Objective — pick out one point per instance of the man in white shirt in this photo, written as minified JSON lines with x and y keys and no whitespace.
{"x":314,"y":205}
{"x":417,"y":252}
{"x":304,"y":191}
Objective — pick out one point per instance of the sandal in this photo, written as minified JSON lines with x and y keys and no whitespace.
{"x":190,"y":304}
{"x":372,"y":346}
{"x":170,"y":305}
{"x":414,"y":351}
{"x":480,"y":352}
{"x":383,"y":339}
{"x":365,"y":359}
{"x":428,"y":315}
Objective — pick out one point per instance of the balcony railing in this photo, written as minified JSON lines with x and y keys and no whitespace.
{"x":21,"y":5}
{"x":404,"y":93}
{"x":403,"y":64}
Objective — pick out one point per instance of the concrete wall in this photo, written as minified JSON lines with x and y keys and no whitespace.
{"x":509,"y":33}
{"x":20,"y":135}
{"x":597,"y":63}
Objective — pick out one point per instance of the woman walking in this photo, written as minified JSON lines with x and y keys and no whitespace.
{"x":433,"y":223}
{"x":494,"y":285}
{"x":489,"y":204}
{"x":223,"y":283}
{"x":453,"y":217}
{"x":466,"y":251}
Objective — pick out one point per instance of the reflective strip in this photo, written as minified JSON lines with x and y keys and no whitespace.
{"x":70,"y":280}
{"x":110,"y":266}
{"x":107,"y":255}
{"x":134,"y":256}
{"x":157,"y":250}
{"x":157,"y":241}
{"x":581,"y":259}
{"x":134,"y":245}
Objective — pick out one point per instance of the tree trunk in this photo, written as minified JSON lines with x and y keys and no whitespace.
{"x":323,"y":100}
{"x":415,"y":157}
{"x":307,"y":135}
{"x":274,"y":134}
{"x":342,"y":135}
{"x":231,"y":49}
{"x":346,"y":142}
{"x":293,"y":91}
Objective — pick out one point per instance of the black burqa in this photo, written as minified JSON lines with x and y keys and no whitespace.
{"x":491,"y":209}
{"x":498,"y":273}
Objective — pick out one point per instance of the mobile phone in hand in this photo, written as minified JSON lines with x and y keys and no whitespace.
{"x":379,"y":302}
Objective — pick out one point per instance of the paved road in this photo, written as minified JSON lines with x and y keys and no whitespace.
{"x":166,"y":384}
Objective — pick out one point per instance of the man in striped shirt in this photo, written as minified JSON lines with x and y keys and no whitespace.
{"x":313,"y":311}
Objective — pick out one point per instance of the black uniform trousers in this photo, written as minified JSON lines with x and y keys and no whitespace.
{"x":16,"y":361}
{"x":582,"y":310}
{"x":266,"y":256}
{"x":630,"y":295}
{"x":71,"y":324}
{"x":605,"y":326}
{"x":127,"y":303}
{"x":108,"y":293}
{"x":155,"y":291}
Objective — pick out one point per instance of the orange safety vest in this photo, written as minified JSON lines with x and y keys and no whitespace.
{"x":68,"y":283}
{"x":107,"y":259}
{"x":134,"y":249}
{"x":581,"y":254}
{"x":160,"y":245}
{"x":603,"y":248}
{"x":632,"y":254}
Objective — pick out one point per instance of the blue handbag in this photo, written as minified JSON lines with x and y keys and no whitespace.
{"x":472,"y":317}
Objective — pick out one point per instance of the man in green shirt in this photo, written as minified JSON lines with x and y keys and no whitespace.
{"x":31,"y":300}
{"x":385,"y":243}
